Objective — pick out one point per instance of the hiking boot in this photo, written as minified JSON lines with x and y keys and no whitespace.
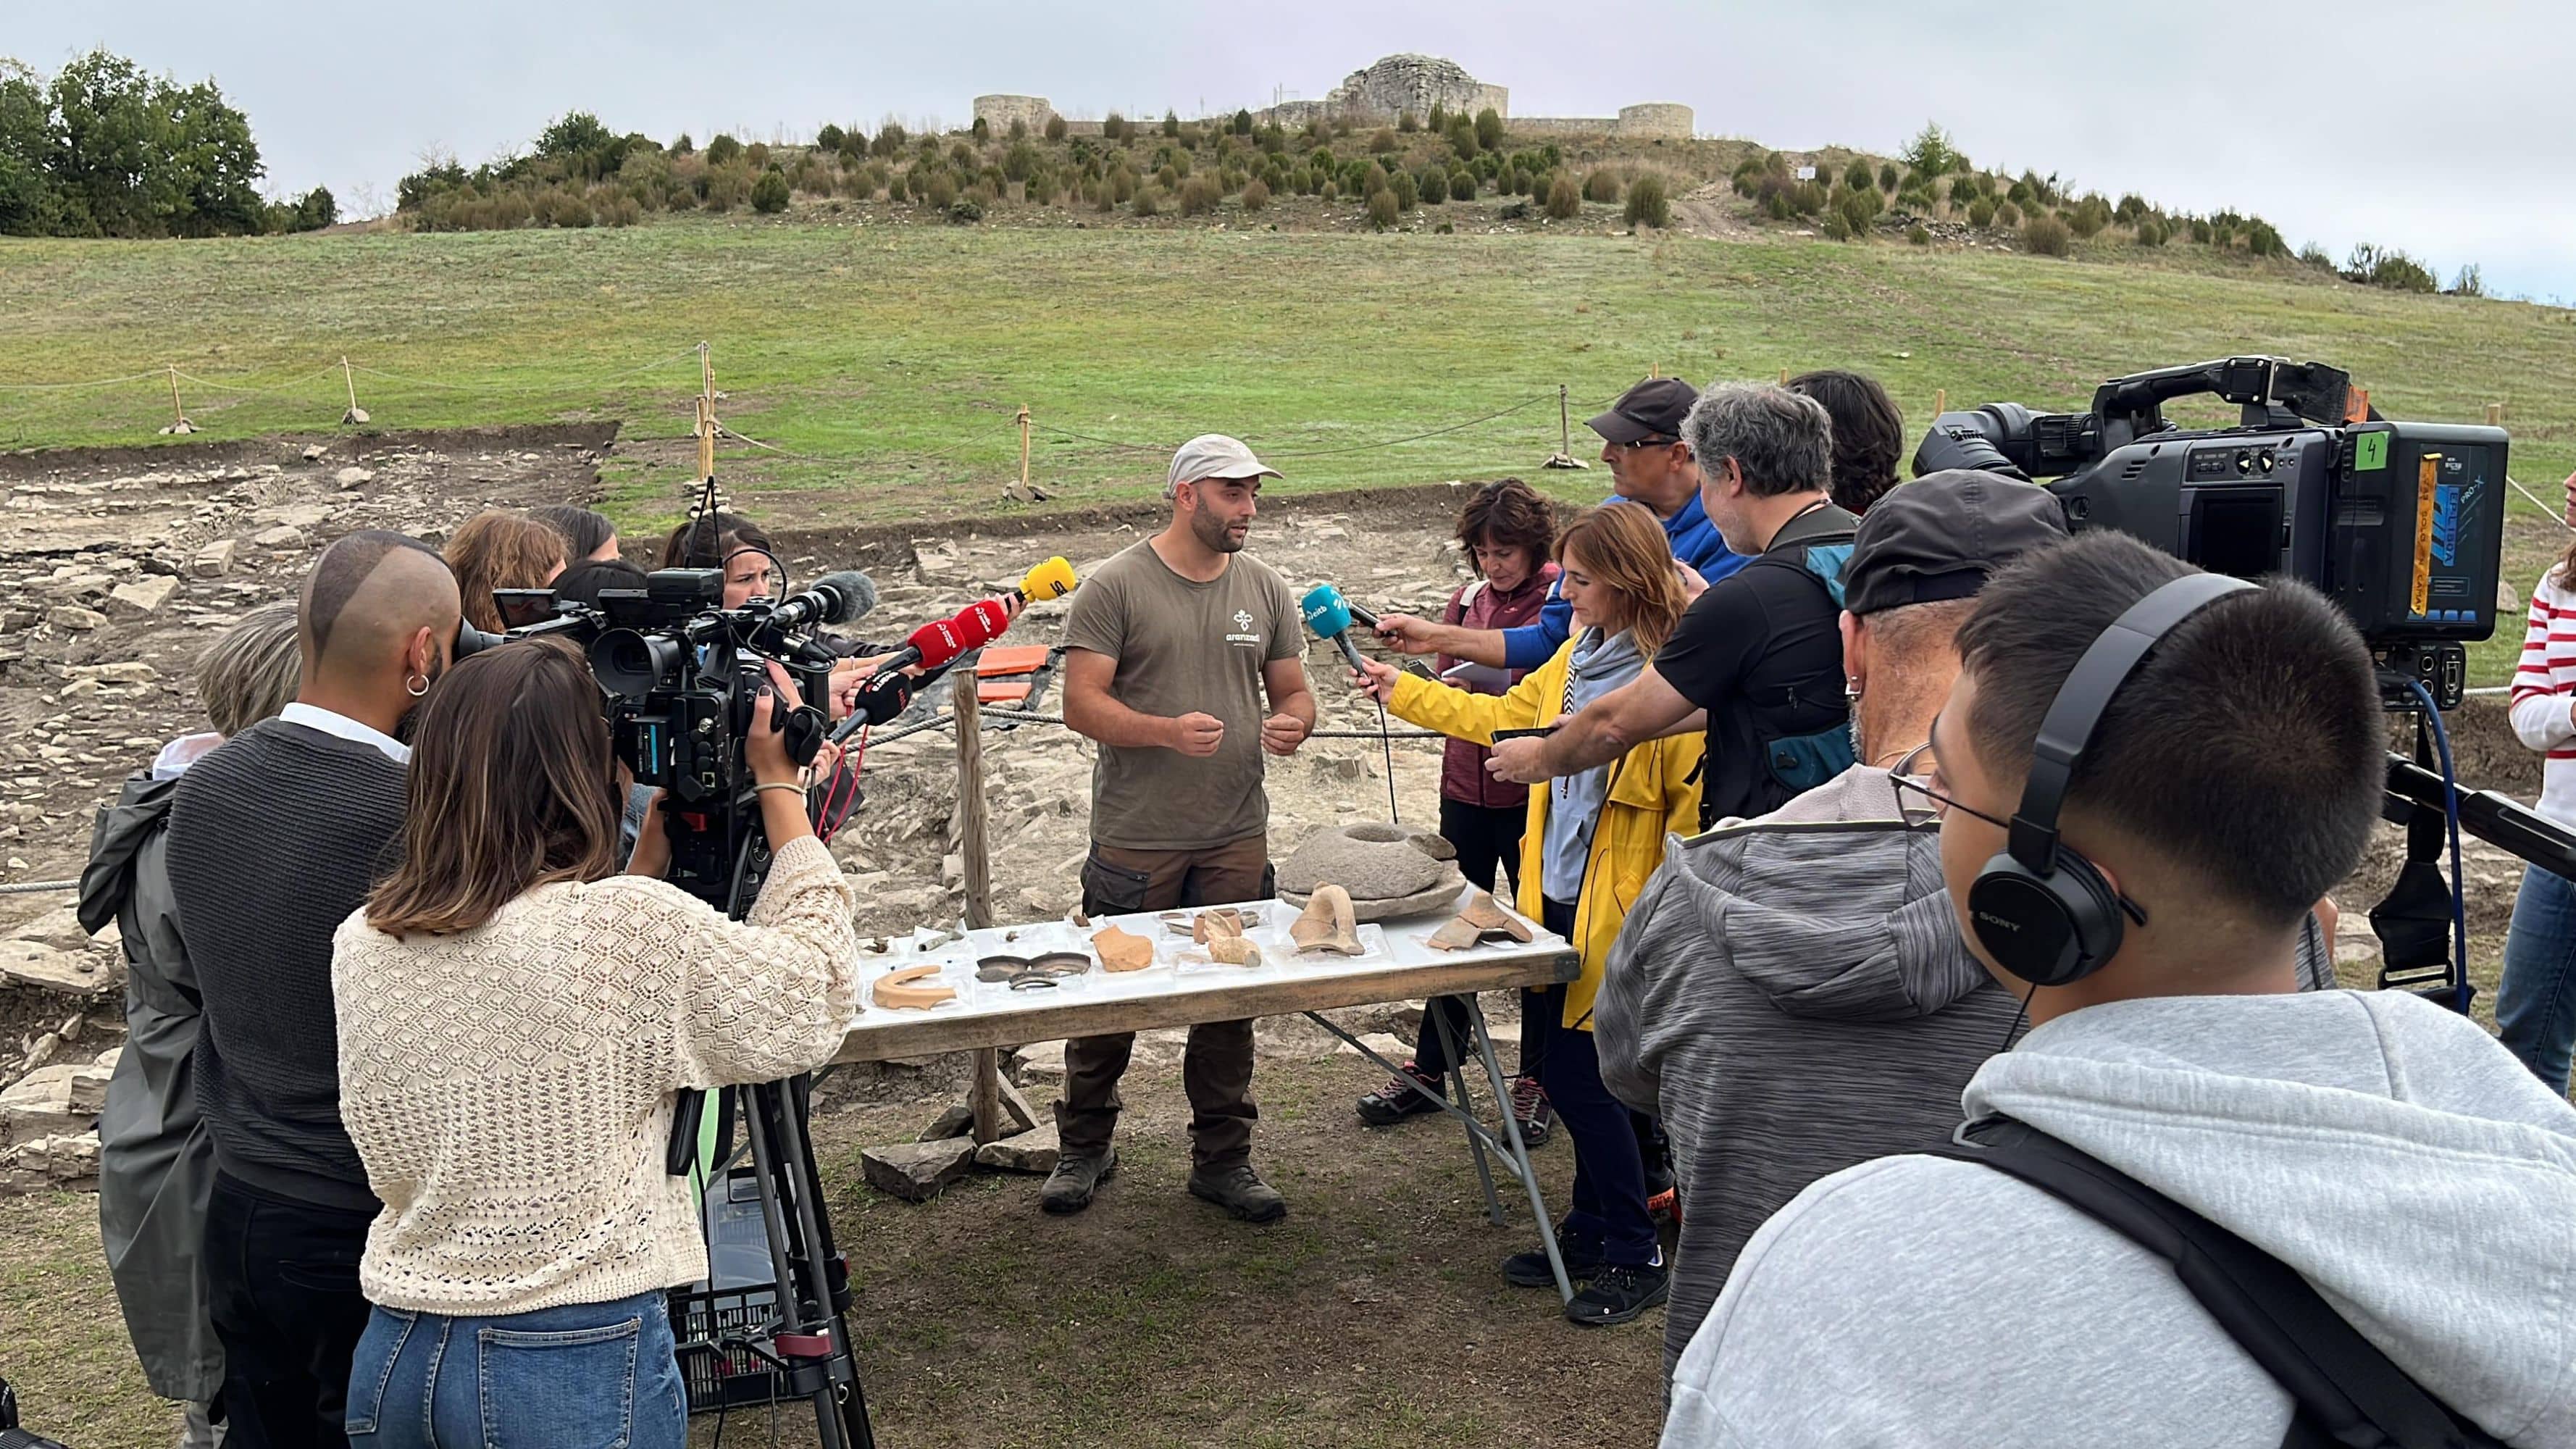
{"x":1397,"y":1100}
{"x":1068,"y":1189}
{"x":1582,"y":1253}
{"x":1619,"y":1292}
{"x":1240,"y":1191}
{"x":1530,"y":1111}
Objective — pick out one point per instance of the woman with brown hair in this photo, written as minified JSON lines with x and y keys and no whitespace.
{"x":1591,"y":841}
{"x":498,"y":549}
{"x":515,"y":1022}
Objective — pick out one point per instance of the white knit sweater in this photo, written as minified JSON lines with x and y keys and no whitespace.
{"x":510,"y":1087}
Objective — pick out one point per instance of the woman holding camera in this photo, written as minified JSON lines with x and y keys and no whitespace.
{"x":1590,"y":842}
{"x":515,"y":1021}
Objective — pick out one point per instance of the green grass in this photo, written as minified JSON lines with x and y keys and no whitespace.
{"x":891,"y":357}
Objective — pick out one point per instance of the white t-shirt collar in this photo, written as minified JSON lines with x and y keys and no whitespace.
{"x":314,"y":717}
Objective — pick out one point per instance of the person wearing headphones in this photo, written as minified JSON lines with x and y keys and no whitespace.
{"x":2145,"y":776}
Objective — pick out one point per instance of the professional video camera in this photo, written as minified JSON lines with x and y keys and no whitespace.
{"x":2400,"y":523}
{"x":679,"y":674}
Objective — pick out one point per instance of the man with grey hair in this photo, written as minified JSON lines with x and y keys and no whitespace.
{"x":1183,"y":661}
{"x":1757,"y":658}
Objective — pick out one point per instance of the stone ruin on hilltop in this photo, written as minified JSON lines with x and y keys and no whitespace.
{"x":1381,"y":92}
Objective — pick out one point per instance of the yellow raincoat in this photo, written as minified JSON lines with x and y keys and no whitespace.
{"x":1653,"y":791}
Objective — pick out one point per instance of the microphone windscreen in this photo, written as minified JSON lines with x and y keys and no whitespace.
{"x":1050,"y":580}
{"x":856,"y":592}
{"x":942,"y":640}
{"x":1325,"y":611}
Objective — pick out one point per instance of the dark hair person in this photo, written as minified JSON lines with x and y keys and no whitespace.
{"x":497,"y":549}
{"x":1869,"y":434}
{"x":1592,"y":838}
{"x":515,"y":1022}
{"x":587,"y":532}
{"x":1506,"y":531}
{"x":730,"y":542}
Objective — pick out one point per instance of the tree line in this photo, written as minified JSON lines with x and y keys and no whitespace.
{"x":103,"y":149}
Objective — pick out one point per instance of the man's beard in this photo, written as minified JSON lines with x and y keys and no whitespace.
{"x":1215,"y":533}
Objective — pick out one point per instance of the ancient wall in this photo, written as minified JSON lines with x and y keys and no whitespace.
{"x":1656,"y":121}
{"x":998,"y":112}
{"x":1415,"y":83}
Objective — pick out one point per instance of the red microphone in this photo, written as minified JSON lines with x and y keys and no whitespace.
{"x":935,"y":645}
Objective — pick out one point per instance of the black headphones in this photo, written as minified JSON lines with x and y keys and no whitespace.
{"x":2043,"y":912}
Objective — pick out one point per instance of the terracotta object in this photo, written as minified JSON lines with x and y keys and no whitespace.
{"x":1484,"y":919}
{"x":1122,"y":950}
{"x":1329,"y":924}
{"x":1211,"y":924}
{"x":904,"y":989}
{"x":1389,"y":871}
{"x":1233,"y":951}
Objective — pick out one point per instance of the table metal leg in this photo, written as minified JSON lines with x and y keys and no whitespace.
{"x":1520,"y":1150}
{"x":1475,"y":1141}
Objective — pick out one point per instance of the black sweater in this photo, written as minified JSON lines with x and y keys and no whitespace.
{"x":274,"y":839}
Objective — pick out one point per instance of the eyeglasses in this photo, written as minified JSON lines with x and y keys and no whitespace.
{"x":1917,"y":772}
{"x":1650,"y":443}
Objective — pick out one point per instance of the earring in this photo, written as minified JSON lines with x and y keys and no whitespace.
{"x":1851,"y":688}
{"x":415,"y":685}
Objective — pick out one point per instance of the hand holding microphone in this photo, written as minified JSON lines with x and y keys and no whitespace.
{"x":1328,"y":614}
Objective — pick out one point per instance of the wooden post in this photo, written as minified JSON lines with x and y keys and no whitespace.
{"x":178,"y":415}
{"x":706,"y":411}
{"x":1940,"y":401}
{"x":2495,"y":415}
{"x":1024,"y":447}
{"x":1564,"y":424}
{"x":984,"y":1082}
{"x":355,"y":414}
{"x":1784,"y":377}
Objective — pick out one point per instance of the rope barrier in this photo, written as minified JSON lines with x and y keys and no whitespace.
{"x":32,"y":886}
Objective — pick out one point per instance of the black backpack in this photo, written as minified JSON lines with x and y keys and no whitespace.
{"x":2348,"y":1394}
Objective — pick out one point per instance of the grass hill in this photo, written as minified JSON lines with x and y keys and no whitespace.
{"x":883,"y":362}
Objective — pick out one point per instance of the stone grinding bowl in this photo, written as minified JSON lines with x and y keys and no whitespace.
{"x":1391,"y":871}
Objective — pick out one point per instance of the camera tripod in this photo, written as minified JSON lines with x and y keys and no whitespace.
{"x":802,"y":1336}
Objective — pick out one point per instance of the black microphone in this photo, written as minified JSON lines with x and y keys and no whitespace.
{"x":835,"y":598}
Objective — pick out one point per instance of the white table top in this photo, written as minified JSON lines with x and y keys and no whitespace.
{"x":1183,"y":985}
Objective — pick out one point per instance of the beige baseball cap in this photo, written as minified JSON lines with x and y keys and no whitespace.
{"x":1214,"y":455}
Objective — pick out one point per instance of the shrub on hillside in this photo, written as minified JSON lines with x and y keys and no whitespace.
{"x":727,"y":186}
{"x":2471,"y":282}
{"x":1243,"y":123}
{"x":1382,"y":210}
{"x":1019,"y":129}
{"x":2388,"y":267}
{"x":2089,"y":216}
{"x":1168,"y":177}
{"x":723,"y":149}
{"x":1407,"y":196}
{"x":829,"y":138}
{"x":1021,"y":162}
{"x":1601,"y":185}
{"x":1887,"y":176}
{"x":965,"y":211}
{"x":1836,"y":227}
{"x":684,"y":146}
{"x":1382,"y":142}
{"x":1647,"y":204}
{"x":1055,"y":128}
{"x":1256,"y":196}
{"x":1171,"y":124}
{"x":1439,"y":119}
{"x":981,"y":130}
{"x":2150,"y":232}
{"x":1918,"y":236}
{"x":1433,"y":185}
{"x":889,"y":141}
{"x":1370,"y":181}
{"x":2201,"y":231}
{"x":1931,"y":153}
{"x":757,"y":153}
{"x":1199,"y":196}
{"x":1462,"y":184}
{"x":1981,"y":212}
{"x":1856,"y":176}
{"x":2007,"y":214}
{"x":1860,"y":208}
{"x":1489,"y":128}
{"x":1148,"y":202}
{"x":1563,"y":201}
{"x":2264,"y":241}
{"x":2046,"y":236}
{"x":2316,"y":256}
{"x":563,"y":206}
{"x":1114,"y":126}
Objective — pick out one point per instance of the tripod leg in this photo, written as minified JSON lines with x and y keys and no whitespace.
{"x":766,"y":1125}
{"x":816,"y":1229}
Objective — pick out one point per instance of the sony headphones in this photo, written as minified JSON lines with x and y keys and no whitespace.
{"x":2043,"y":912}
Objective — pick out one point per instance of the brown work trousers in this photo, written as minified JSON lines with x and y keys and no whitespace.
{"x":1216,"y":1068}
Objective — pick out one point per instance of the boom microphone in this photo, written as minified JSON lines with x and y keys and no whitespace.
{"x":1050,"y":580}
{"x":835,"y":598}
{"x":1329,"y":615}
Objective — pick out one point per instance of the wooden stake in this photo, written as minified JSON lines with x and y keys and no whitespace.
{"x":355,"y":414}
{"x":2495,"y":415}
{"x":984,"y":1083}
{"x":1784,"y":377}
{"x":1024,"y":447}
{"x":1940,"y":401}
{"x":706,"y":411}
{"x":178,"y":415}
{"x":1564,"y":424}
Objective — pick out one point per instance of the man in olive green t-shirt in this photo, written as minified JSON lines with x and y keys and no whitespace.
{"x":1171,"y":650}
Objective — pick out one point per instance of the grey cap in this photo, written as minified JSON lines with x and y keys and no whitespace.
{"x":1214,"y":455}
{"x":1940,"y":537}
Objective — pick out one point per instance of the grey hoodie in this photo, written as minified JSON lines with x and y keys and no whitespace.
{"x":1791,"y":997}
{"x":2389,"y":1151}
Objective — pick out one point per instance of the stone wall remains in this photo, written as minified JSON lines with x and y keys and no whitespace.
{"x":1656,"y":121}
{"x":998,"y":112}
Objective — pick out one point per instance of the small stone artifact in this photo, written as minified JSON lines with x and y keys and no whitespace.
{"x":1211,"y":924}
{"x":1233,"y":951}
{"x":1121,"y":950}
{"x":1484,"y":919}
{"x":904,"y":988}
{"x":1329,"y":924}
{"x":1389,"y":871}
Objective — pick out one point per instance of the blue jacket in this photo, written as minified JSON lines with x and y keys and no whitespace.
{"x":1695,"y":542}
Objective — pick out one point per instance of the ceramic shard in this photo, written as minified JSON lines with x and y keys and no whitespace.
{"x":1329,"y":924}
{"x":1122,"y":951}
{"x":907,"y":989}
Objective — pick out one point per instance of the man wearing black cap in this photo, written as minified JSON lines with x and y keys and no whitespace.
{"x":1790,"y":993}
{"x":1641,"y":442}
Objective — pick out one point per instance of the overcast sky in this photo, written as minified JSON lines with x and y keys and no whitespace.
{"x":2449,"y":130}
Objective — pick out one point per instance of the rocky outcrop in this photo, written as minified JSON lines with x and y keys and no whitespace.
{"x":1415,"y":83}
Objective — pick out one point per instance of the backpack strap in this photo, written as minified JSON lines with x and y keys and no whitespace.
{"x":2346,"y":1391}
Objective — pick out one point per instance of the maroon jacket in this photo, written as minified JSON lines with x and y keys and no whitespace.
{"x":1479,"y":605}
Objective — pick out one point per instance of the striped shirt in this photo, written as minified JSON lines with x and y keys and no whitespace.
{"x":2544,"y":691}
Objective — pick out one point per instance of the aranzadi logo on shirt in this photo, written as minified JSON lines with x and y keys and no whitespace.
{"x":1243,"y":625}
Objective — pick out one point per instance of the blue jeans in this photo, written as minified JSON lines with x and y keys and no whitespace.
{"x":1609,"y":1198}
{"x":584,"y":1376}
{"x":2536,"y":1003}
